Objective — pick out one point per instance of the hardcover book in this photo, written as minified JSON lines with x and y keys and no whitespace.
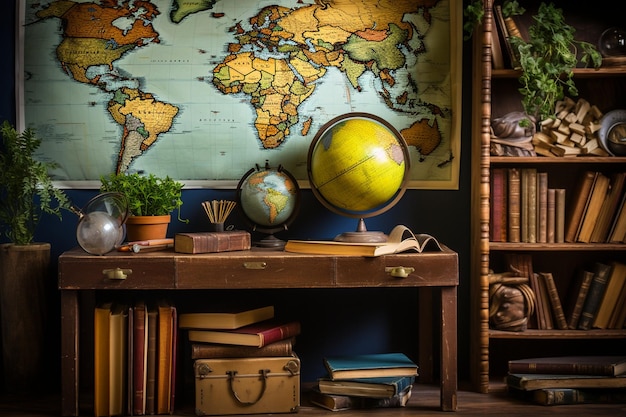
{"x":396,"y":243}
{"x":530,"y":382}
{"x":369,"y":366}
{"x":590,"y":217}
{"x":570,"y":365}
{"x":140,"y":357}
{"x":165,"y":357}
{"x":568,"y":396}
{"x":334,"y":402}
{"x":577,"y":296}
{"x":210,"y":242}
{"x":151,"y":362}
{"x":514,"y":199}
{"x":608,"y":303}
{"x":215,"y":350}
{"x":225,"y":318}
{"x":383,"y":387}
{"x":580,"y":199}
{"x":257,"y":334}
{"x":555,"y":300}
{"x":594,"y":295}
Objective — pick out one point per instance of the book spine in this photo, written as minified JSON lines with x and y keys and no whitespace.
{"x":567,"y":396}
{"x":498,"y":206}
{"x":596,"y":291}
{"x":212,"y":242}
{"x":285,"y":331}
{"x":579,"y":297}
{"x":571,"y":368}
{"x":542,"y":207}
{"x":531,"y":224}
{"x":208,"y":351}
{"x":577,"y":209}
{"x":551,"y":216}
{"x":555,"y":300}
{"x":151,"y":371}
{"x":139,"y":359}
{"x":514,"y":200}
{"x":559,"y":223}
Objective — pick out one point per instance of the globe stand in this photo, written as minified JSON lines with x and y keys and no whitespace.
{"x":361,"y":235}
{"x":270,"y":242}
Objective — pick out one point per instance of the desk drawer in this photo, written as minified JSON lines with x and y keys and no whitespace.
{"x":400,"y":270}
{"x":255,"y":272}
{"x":120,"y":273}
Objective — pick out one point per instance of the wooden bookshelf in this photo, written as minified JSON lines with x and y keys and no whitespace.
{"x":496,"y":94}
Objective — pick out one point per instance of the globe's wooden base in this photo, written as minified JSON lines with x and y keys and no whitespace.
{"x":362,"y":237}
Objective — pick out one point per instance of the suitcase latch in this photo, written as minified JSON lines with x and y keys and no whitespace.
{"x":292,"y":367}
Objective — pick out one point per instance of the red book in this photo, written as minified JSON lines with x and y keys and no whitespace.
{"x":499,"y":213}
{"x":258,"y":334}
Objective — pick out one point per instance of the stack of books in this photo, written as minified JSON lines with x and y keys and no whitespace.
{"x":568,"y":379}
{"x":365,"y":381}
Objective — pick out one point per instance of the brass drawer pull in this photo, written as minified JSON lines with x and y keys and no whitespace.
{"x":399,"y":271}
{"x":254,"y":265}
{"x":117,"y":273}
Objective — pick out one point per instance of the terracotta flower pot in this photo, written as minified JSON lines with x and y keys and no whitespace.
{"x":146,"y":227}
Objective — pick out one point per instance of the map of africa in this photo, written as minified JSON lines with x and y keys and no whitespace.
{"x":203,"y":90}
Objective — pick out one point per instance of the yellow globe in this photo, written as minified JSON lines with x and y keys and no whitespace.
{"x":358,"y":164}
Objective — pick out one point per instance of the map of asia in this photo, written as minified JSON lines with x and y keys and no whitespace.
{"x":204,"y":90}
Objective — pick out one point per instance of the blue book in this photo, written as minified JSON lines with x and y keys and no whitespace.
{"x":383,"y":387}
{"x":370,"y":366}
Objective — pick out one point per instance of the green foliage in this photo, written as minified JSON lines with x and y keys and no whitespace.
{"x":26,"y":188}
{"x":548,"y":60}
{"x":473,"y":14}
{"x":147,"y":195}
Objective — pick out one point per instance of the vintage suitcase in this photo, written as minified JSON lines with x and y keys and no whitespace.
{"x":247,"y":385}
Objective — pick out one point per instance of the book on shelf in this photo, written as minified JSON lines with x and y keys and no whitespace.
{"x":608,"y":303}
{"x":498,"y":206}
{"x":601,"y":365}
{"x":211,"y":242}
{"x":576,"y":297}
{"x":592,"y":211}
{"x":514,"y":200}
{"x":617,"y":232}
{"x":530,"y":382}
{"x":216,"y":350}
{"x":529,"y":205}
{"x":165,"y":357}
{"x":139,"y":357}
{"x":151,"y":360}
{"x":618,"y":318}
{"x":497,"y":57}
{"x":383,"y":387}
{"x":579,"y":202}
{"x":551,"y":216}
{"x":257,"y":334}
{"x":544,"y":302}
{"x":101,"y":358}
{"x":609,"y":208}
{"x":555,"y":300}
{"x":571,"y":396}
{"x":594,"y":295}
{"x":373,"y":365}
{"x":227,"y":318}
{"x":513,"y":56}
{"x":559,"y":217}
{"x":542,"y":207}
{"x":396,"y":243}
{"x":118,"y":348}
{"x":335,"y":402}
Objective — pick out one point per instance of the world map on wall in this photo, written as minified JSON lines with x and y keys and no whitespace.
{"x":206,"y":89}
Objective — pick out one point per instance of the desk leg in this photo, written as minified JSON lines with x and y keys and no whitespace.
{"x":448,"y":348}
{"x":69,"y":353}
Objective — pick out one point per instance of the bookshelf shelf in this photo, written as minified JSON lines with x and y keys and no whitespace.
{"x":496,"y":94}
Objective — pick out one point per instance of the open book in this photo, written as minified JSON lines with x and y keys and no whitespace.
{"x":401,"y":239}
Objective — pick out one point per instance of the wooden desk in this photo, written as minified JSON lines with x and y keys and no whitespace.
{"x":257,"y":269}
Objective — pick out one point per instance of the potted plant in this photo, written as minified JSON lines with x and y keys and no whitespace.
{"x":26,"y":193}
{"x":548,"y":57}
{"x":151,"y":200}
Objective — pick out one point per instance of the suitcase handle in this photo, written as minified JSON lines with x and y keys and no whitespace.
{"x":231,"y":379}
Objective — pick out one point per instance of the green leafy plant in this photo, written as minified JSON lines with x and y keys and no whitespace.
{"x":147,"y":195}
{"x":548,"y":59}
{"x":26,"y":188}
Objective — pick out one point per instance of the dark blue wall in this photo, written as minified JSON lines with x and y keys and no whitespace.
{"x":333,"y":321}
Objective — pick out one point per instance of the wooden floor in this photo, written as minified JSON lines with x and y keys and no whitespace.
{"x":424,"y":403}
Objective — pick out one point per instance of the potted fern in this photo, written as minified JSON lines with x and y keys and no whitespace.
{"x":151,"y":200}
{"x":26,"y":193}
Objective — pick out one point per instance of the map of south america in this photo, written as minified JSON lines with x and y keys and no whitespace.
{"x":150,"y":66}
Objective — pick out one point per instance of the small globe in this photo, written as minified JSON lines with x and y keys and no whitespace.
{"x":358,"y":165}
{"x":269,"y":198}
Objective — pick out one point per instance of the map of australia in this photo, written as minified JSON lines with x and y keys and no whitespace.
{"x":204,"y":90}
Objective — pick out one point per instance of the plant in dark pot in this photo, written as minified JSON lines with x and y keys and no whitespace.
{"x":27,"y":192}
{"x":151,"y":200}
